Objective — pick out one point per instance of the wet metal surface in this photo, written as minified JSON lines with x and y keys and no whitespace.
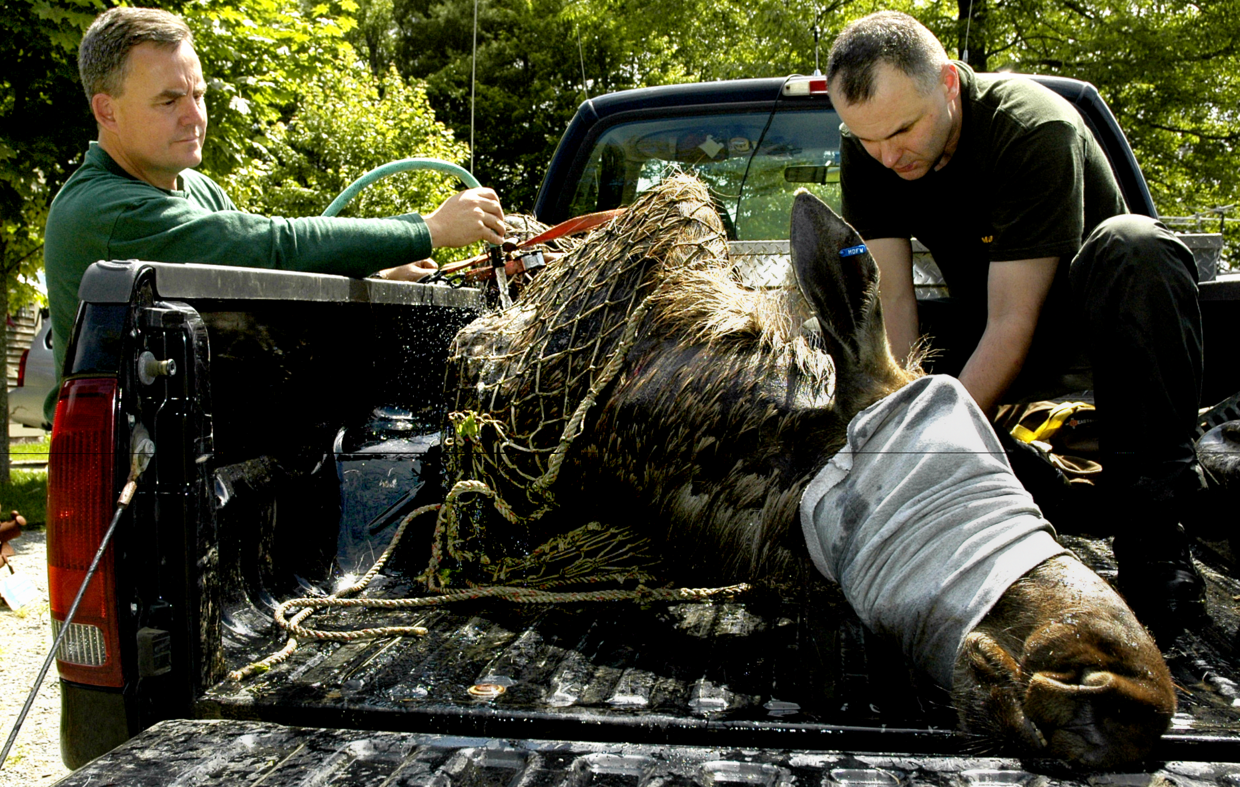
{"x":782,"y":670}
{"x":230,"y":753}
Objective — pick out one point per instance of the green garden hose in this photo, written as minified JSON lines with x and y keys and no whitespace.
{"x":391,"y":168}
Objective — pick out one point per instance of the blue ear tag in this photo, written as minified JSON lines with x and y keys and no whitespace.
{"x":853,"y":251}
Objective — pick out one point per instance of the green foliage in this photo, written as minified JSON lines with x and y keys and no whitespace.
{"x":663,"y":43}
{"x":528,"y":81}
{"x":44,"y":122}
{"x":346,"y":124}
{"x":374,"y":36}
{"x":21,"y":236}
{"x":537,"y":60}
{"x":256,"y":56}
{"x":26,"y":492}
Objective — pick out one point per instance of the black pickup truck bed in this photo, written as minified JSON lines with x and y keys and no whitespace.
{"x":238,"y":752}
{"x":771,"y":671}
{"x":770,"y":691}
{"x":755,"y":690}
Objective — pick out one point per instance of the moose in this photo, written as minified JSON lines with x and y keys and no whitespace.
{"x":757,"y":432}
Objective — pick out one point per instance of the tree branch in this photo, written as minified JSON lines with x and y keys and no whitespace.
{"x":1194,"y":132}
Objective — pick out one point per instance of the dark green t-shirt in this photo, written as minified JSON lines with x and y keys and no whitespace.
{"x":1028,"y":180}
{"x":104,"y":213}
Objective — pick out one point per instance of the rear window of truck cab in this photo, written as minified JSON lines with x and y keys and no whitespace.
{"x":753,"y":162}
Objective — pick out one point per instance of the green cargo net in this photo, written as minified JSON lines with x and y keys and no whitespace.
{"x":522,"y":382}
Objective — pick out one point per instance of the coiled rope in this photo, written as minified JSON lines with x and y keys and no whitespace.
{"x":467,"y":427}
{"x":514,"y":594}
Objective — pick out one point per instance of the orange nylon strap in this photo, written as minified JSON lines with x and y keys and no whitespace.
{"x":580,"y":224}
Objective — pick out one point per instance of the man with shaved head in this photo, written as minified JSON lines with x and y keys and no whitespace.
{"x":1005,"y":184}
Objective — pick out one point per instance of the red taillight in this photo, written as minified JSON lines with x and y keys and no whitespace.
{"x":81,"y":498}
{"x":21,"y":368}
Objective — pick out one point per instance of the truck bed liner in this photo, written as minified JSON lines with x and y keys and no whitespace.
{"x":765,"y":671}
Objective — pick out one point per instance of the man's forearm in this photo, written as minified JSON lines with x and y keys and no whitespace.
{"x":1016,"y":291}
{"x":995,"y":364}
{"x":896,"y":293}
{"x":900,"y":321}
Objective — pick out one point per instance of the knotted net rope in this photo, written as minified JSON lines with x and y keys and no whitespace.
{"x":539,"y":367}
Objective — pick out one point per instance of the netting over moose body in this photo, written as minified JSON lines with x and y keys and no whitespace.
{"x":543,"y":361}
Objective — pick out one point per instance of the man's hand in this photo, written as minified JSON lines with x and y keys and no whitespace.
{"x":414,"y":271}
{"x":467,"y":217}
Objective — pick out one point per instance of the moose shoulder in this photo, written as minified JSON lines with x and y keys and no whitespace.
{"x":768,"y":433}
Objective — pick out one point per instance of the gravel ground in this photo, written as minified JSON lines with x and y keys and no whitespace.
{"x":24,"y":640}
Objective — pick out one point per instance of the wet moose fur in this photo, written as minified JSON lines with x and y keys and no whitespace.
{"x":729,"y":402}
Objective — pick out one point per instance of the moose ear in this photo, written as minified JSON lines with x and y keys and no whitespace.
{"x":834,"y":272}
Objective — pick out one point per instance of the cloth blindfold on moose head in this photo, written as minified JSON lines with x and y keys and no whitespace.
{"x":921,"y":521}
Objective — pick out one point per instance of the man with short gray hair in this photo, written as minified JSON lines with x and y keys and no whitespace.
{"x":137,"y":196}
{"x":103,"y":56}
{"x":1006,"y":185}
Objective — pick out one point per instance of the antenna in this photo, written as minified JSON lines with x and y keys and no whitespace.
{"x":473,"y":82}
{"x":817,"y":70}
{"x":581,"y":53}
{"x":968,"y":23}
{"x":817,"y":36}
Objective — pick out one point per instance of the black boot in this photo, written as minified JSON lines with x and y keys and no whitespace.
{"x":1159,"y":581}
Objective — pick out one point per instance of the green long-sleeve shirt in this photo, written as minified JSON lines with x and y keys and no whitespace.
{"x":104,"y":213}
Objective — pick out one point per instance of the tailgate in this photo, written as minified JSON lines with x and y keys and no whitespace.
{"x":251,"y":753}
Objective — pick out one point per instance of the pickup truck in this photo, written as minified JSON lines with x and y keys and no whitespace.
{"x":296,"y":420}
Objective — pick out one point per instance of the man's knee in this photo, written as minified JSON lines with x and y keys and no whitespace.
{"x":1133,"y":249}
{"x":1130,"y":228}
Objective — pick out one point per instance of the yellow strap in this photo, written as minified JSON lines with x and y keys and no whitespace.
{"x":1055,"y":419}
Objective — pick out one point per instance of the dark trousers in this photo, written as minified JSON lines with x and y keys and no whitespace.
{"x":1123,"y":320}
{"x":1134,"y":294}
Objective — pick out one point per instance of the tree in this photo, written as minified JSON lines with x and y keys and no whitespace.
{"x":346,"y":124}
{"x":43,"y":120}
{"x":537,"y":60}
{"x":526,"y":87}
{"x":41,"y":110}
{"x":374,"y":37}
